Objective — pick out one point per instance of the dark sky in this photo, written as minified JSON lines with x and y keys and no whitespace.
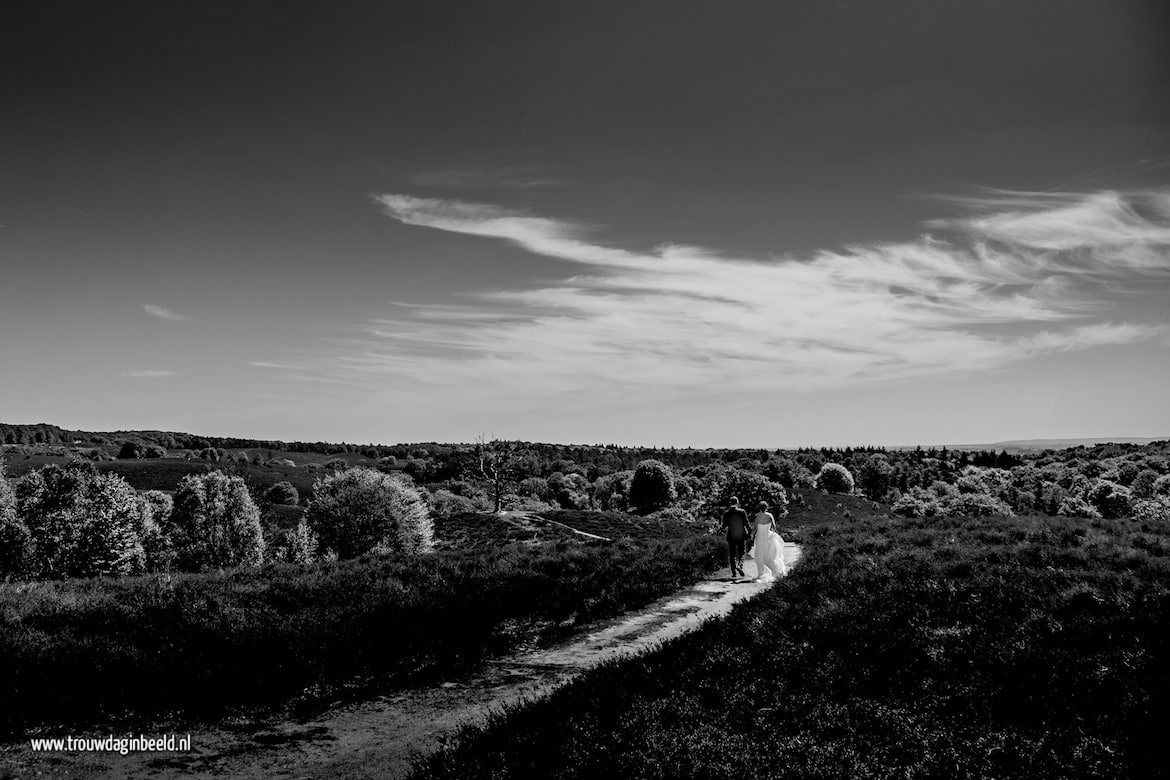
{"x":216,"y":160}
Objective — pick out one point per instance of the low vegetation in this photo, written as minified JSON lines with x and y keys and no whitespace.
{"x":900,"y":647}
{"x":104,"y":651}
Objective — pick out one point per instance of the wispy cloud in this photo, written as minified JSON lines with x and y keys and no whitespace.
{"x":147,"y":374}
{"x":1021,"y":276}
{"x":163,"y":313}
{"x":513,"y":177}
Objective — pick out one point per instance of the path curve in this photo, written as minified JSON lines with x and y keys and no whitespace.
{"x":381,"y":737}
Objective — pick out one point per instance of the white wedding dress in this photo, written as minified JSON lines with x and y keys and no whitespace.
{"x":768,"y":550}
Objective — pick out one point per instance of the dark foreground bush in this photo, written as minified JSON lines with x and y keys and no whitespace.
{"x":126,"y":650}
{"x":947,"y":647}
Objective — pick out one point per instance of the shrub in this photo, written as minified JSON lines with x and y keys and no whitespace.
{"x":750,"y":488}
{"x":835,"y":478}
{"x":130,"y":451}
{"x":1154,"y":510}
{"x":1161,"y":486}
{"x":360,"y":510}
{"x":283,"y":494}
{"x":652,"y":486}
{"x":444,"y":503}
{"x":974,"y":504}
{"x":154,"y":451}
{"x":215,"y":523}
{"x":1075,"y":506}
{"x":209,"y":453}
{"x":81,"y":523}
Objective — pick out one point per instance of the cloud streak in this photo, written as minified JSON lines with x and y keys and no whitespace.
{"x":1023,"y":275}
{"x":163,"y":313}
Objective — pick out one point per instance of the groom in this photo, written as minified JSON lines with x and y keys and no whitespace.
{"x":735,"y":523}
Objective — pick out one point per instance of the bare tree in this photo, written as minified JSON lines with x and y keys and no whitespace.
{"x":498,"y":462}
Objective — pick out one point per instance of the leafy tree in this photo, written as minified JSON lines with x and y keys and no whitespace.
{"x":295,"y":545}
{"x":215,"y":523}
{"x":750,"y":488}
{"x":283,"y":494}
{"x":611,"y":492}
{"x":1109,"y":498}
{"x":154,"y":451}
{"x":155,"y":515}
{"x":1143,"y":484}
{"x":15,"y":540}
{"x":1162,"y":485}
{"x":537,"y":487}
{"x":360,"y":510}
{"x":875,"y":477}
{"x":652,"y":486}
{"x":835,"y":478}
{"x":81,"y":523}
{"x":130,"y":451}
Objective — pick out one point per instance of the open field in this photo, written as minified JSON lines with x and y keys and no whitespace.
{"x":948,"y":647}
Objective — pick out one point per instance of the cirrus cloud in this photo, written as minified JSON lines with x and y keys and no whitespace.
{"x":1022,"y":276}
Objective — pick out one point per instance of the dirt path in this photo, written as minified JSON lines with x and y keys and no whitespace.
{"x":380,"y":737}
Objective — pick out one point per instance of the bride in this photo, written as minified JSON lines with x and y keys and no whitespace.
{"x":768,"y":549}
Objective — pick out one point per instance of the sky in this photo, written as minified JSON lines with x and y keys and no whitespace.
{"x":675,"y":223}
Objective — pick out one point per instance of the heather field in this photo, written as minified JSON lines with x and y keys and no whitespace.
{"x":929,"y":647}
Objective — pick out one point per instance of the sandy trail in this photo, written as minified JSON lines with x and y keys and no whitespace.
{"x":381,"y":737}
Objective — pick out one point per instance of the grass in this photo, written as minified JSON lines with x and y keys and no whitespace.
{"x":961,"y":647}
{"x":138,"y":649}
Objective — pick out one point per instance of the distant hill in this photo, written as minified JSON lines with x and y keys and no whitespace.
{"x":1016,"y":445}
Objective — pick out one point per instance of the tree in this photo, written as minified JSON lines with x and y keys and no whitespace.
{"x":15,"y":540}
{"x":361,"y":510}
{"x":750,"y":488}
{"x":1109,"y":498}
{"x":215,"y":523}
{"x":130,"y":451}
{"x":611,"y":492}
{"x":283,"y":494}
{"x":498,"y":465}
{"x":788,"y":473}
{"x":835,"y":478}
{"x":1153,"y":510}
{"x":652,"y":486}
{"x":874,"y":477}
{"x":154,"y":516}
{"x":154,"y":451}
{"x":81,"y":523}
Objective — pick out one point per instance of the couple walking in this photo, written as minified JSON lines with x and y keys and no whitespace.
{"x":768,"y":547}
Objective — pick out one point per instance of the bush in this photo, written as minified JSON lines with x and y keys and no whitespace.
{"x":835,"y":478}
{"x":215,"y":523}
{"x":360,"y":510}
{"x":154,"y":451}
{"x":1154,"y":510}
{"x":1161,"y":486}
{"x":282,"y":494}
{"x":651,"y":486}
{"x":1075,"y":506}
{"x":750,"y":488}
{"x":444,"y":503}
{"x":130,"y":451}
{"x":974,"y":505}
